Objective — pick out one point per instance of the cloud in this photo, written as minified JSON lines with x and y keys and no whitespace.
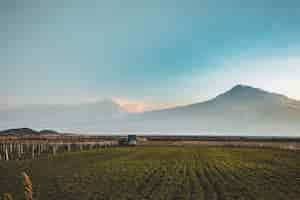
{"x":134,"y":106}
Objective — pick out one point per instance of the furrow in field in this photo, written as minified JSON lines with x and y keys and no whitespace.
{"x":183,"y":185}
{"x":151,"y":184}
{"x":147,"y":180}
{"x":215,"y":181}
{"x":209,"y":190}
{"x":234,"y":186}
{"x":196,"y":190}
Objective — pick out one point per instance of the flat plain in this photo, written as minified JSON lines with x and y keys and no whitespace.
{"x":159,"y":172}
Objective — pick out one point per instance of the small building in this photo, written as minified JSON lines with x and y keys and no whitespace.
{"x":130,"y":140}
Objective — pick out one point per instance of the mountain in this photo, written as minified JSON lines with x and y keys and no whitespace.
{"x":241,"y":110}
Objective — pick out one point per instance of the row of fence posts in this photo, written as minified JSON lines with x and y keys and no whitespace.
{"x":18,"y":151}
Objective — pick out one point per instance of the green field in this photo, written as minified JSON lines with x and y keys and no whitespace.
{"x":210,"y":173}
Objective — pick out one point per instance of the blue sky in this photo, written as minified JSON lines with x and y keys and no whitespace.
{"x":150,"y":52}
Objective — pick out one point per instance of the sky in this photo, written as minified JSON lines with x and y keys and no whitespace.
{"x":151,"y":54}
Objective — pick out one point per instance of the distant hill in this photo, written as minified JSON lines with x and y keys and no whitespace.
{"x":27,"y":132}
{"x":49,"y":132}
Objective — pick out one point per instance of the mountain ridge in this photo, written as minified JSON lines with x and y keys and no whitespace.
{"x":242,"y":109}
{"x":227,"y":93}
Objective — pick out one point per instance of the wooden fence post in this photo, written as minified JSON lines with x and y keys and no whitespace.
{"x":6,"y":153}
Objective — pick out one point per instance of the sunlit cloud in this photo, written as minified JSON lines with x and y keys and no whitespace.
{"x":134,"y":106}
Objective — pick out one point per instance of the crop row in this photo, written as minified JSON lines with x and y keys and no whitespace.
{"x":166,"y":173}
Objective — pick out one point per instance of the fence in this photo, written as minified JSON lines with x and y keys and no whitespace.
{"x":16,"y":150}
